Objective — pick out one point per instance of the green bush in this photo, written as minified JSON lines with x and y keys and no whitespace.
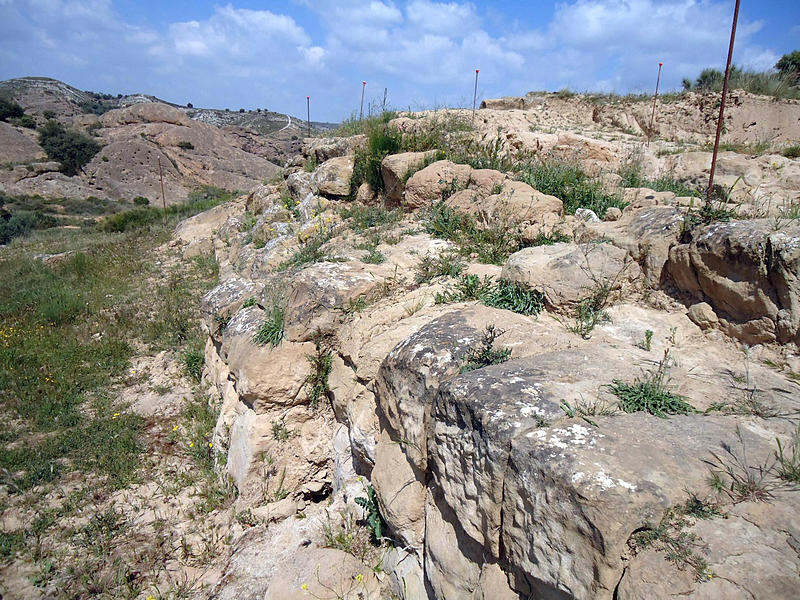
{"x":141,"y":201}
{"x":382,"y":141}
{"x":72,"y":149}
{"x":26,"y":121}
{"x":792,"y":151}
{"x":9,"y":109}
{"x":186,"y":145}
{"x":131,"y":219}
{"x":789,"y":66}
{"x":778,"y":85}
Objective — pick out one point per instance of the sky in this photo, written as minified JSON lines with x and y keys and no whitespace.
{"x":422,"y":53}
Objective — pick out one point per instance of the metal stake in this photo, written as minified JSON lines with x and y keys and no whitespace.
{"x":163,"y":197}
{"x":652,"y":116}
{"x":308,"y":114}
{"x":475,"y":95}
{"x":722,"y":103}
{"x":361,"y":110}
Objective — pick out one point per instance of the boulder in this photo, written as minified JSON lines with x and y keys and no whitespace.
{"x":748,"y":273}
{"x":395,"y":170}
{"x":301,"y":185}
{"x":324,"y":149}
{"x":568,"y":273}
{"x":434,"y":182}
{"x":332,"y":177}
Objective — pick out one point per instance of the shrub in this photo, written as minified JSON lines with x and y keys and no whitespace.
{"x":382,"y":141}
{"x":186,"y":145}
{"x":778,"y":85}
{"x":789,"y":66}
{"x":508,"y":295}
{"x":9,"y":109}
{"x":431,"y":266}
{"x":141,"y":201}
{"x":26,"y":121}
{"x":72,"y":149}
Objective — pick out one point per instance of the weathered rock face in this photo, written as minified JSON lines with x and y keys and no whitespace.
{"x":324,"y":149}
{"x":426,"y":186}
{"x":332,"y":178}
{"x":566,"y":273}
{"x":395,"y":168}
{"x":749,"y":273}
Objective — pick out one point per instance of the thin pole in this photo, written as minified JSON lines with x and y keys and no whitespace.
{"x":308,"y":114}
{"x":361,"y":110}
{"x":653,"y":114}
{"x":163,"y":197}
{"x":475,"y":95}
{"x":722,"y":103}
{"x":385,"y":91}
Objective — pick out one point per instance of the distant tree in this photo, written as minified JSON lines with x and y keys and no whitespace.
{"x":189,"y":105}
{"x":9,"y":109}
{"x":72,"y":149}
{"x":789,"y":66}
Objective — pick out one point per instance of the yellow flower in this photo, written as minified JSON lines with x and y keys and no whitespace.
{"x":191,"y":444}
{"x":115,"y":415}
{"x":359,"y":578}
{"x":210,"y":445}
{"x":304,"y":587}
{"x":175,"y":428}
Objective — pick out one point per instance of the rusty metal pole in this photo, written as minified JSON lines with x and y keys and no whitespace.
{"x":361,"y":110}
{"x":653,"y":114}
{"x":475,"y":95}
{"x":722,"y":103}
{"x":163,"y":197}
{"x":308,"y":114}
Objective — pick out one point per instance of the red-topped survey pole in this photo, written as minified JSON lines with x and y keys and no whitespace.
{"x":475,"y":95}
{"x":308,"y":114}
{"x":653,"y":114}
{"x":722,"y":103}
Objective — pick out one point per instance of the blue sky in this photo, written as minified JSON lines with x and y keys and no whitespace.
{"x":257,"y":54}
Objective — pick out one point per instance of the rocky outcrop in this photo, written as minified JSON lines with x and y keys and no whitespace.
{"x":748,"y":272}
{"x":332,"y":178}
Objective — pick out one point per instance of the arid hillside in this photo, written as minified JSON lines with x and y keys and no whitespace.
{"x":434,"y":357}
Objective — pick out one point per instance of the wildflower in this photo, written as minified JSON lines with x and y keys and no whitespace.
{"x":359,"y":578}
{"x":115,"y":415}
{"x":210,"y":445}
{"x":175,"y":428}
{"x":191,"y":444}
{"x":304,"y":587}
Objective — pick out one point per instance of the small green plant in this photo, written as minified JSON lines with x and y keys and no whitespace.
{"x":682,"y":548}
{"x":141,"y":201}
{"x":193,"y":361}
{"x":651,"y":394}
{"x":310,"y":165}
{"x":310,"y":250}
{"x":486,"y":354}
{"x":373,"y":257}
{"x":316,"y":382}
{"x":374,"y":518}
{"x":251,"y":301}
{"x":584,"y":410}
{"x":431,"y":266}
{"x":185,"y":145}
{"x":732,"y":474}
{"x":788,"y":467}
{"x":363,"y":217}
{"x":279,"y":431}
{"x":792,"y":151}
{"x":514,"y":296}
{"x":271,"y":331}
{"x":648,"y":339}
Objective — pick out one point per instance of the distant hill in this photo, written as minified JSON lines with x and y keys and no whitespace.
{"x":195,"y":146}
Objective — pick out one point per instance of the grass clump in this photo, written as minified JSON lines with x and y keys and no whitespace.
{"x":431,"y":266}
{"x":382,"y":140}
{"x":788,"y":467}
{"x":271,"y":331}
{"x":765,"y":83}
{"x":569,"y":182}
{"x":633,"y":177}
{"x":486,"y":355}
{"x":490,"y":244}
{"x":310,"y":250}
{"x":651,"y":394}
{"x":792,"y":151}
{"x":363,"y":217}
{"x":508,"y":295}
